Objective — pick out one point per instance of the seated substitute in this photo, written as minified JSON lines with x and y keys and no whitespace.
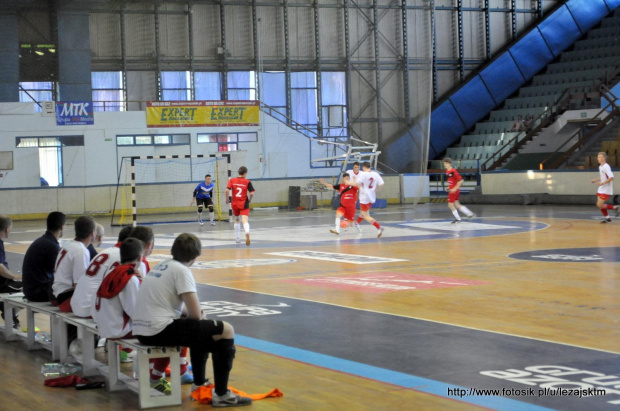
{"x":168,"y":313}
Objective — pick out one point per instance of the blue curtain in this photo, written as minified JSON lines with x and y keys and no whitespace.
{"x":208,"y":85}
{"x":333,"y":88}
{"x":174,"y":85}
{"x":303,"y":98}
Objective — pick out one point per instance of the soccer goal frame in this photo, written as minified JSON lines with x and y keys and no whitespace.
{"x":125,"y":210}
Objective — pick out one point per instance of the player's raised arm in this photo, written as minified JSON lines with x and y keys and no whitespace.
{"x":326,"y":184}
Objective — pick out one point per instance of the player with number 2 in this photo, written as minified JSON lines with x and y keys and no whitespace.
{"x":239,"y":193}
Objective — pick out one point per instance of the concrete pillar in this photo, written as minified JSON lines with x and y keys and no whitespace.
{"x":74,"y":81}
{"x":9,"y":59}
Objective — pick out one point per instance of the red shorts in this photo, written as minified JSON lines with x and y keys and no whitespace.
{"x":603,"y":197}
{"x":240,"y":211}
{"x":365,"y":207}
{"x":452,"y":197}
{"x":348,"y":213}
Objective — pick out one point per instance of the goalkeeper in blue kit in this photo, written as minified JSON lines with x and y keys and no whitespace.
{"x":203,"y":194}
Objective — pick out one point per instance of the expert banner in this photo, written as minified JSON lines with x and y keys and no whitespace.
{"x":202,"y":113}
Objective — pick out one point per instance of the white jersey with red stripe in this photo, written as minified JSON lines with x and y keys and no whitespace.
{"x":369,"y":181}
{"x":110,"y":318}
{"x":87,"y":285}
{"x":71,"y":264}
{"x":606,"y":174}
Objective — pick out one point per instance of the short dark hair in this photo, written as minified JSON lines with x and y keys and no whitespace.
{"x":243,"y":170}
{"x":124,"y":233}
{"x":345,"y":175}
{"x":84,"y":226}
{"x":186,"y":247}
{"x":447,"y":160}
{"x":5,"y":221}
{"x":55,"y":220}
{"x":366,"y":164}
{"x":131,"y":250}
{"x":208,"y":175}
{"x":357,"y":163}
{"x":143,"y":233}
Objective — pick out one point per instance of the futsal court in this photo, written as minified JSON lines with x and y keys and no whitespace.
{"x":522,"y":300}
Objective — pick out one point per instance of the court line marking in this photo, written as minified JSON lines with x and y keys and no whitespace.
{"x":370,"y":372}
{"x":420,"y":319}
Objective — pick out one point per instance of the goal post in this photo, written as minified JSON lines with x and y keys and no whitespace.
{"x":158,"y":189}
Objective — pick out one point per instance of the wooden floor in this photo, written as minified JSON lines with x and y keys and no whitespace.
{"x":463,"y":277}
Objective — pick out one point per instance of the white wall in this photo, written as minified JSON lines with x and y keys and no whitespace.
{"x":539,"y":182}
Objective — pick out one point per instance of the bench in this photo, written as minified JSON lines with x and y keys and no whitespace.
{"x":15,"y":301}
{"x":119,"y":381}
{"x":87,"y":330}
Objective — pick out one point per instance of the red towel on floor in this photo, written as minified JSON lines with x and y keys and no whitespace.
{"x":68,"y":381}
{"x":204,"y":394}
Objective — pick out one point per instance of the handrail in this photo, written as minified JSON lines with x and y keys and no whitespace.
{"x":289,"y":121}
{"x":514,"y":144}
{"x":615,"y":111}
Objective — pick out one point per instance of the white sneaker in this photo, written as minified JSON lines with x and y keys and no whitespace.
{"x":359,"y":229}
{"x":469,"y":217}
{"x":238,"y":240}
{"x":201,"y":222}
{"x":334,"y":231}
{"x":380,"y":232}
{"x":230,"y":399}
{"x":212,"y":223}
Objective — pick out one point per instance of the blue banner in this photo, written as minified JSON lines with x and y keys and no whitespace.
{"x":73,"y":113}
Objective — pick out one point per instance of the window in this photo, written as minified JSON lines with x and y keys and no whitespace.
{"x":304,"y":99}
{"x":157,"y":139}
{"x":176,"y":86}
{"x":241,"y":85}
{"x":273,"y":94}
{"x":227,"y":142}
{"x":50,"y":155}
{"x":208,"y":85}
{"x":334,"y":100}
{"x":108,"y":91}
{"x":36,"y":92}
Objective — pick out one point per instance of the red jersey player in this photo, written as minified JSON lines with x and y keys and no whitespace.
{"x":242,"y":193}
{"x":348,"y":198}
{"x":454,"y":183}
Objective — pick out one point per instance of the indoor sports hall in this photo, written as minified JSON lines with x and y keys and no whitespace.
{"x":485,"y":276}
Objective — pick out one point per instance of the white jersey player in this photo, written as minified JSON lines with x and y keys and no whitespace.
{"x":368,"y":181}
{"x":605,"y":188}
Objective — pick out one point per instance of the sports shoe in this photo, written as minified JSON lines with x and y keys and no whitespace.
{"x":125,"y":357}
{"x":380,"y":232}
{"x":359,"y":229}
{"x":334,"y":231}
{"x":617,"y":211}
{"x":247,"y":238}
{"x":469,"y":217}
{"x":230,"y":399}
{"x":187,"y":378}
{"x":201,"y":222}
{"x":606,"y":220}
{"x":455,"y":222}
{"x":162,"y":385}
{"x":238,"y":240}
{"x":212,"y":222}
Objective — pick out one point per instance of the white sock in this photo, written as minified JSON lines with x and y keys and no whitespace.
{"x":337,"y":224}
{"x":237,"y":229}
{"x":199,"y":216}
{"x":246,"y":228}
{"x":211,"y":215}
{"x":466,"y":210}
{"x":456,"y":214}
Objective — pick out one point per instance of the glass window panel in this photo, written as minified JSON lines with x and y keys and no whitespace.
{"x":107,"y":79}
{"x":174,"y":79}
{"x":48,"y":142}
{"x":333,"y":88}
{"x":27,"y":142}
{"x":124,"y":140}
{"x":71,"y":140}
{"x":180,"y":139}
{"x":208,"y":85}
{"x":274,"y":89}
{"x":304,"y":106}
{"x":143,"y":140}
{"x":247,"y":137}
{"x":303,"y":80}
{"x":162,"y":139}
{"x":239,"y":79}
{"x":175,"y":95}
{"x":204,"y":138}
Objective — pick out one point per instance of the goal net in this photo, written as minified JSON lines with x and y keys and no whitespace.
{"x":159,"y":189}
